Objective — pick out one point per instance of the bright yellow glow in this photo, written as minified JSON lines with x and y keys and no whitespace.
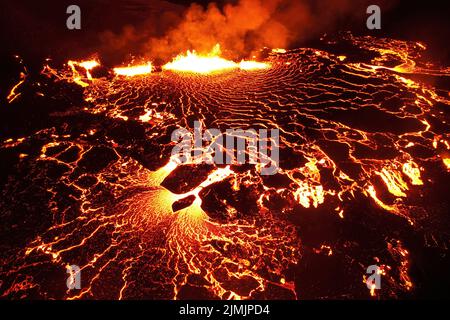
{"x":394,"y":182}
{"x":193,"y":62}
{"x":209,"y":63}
{"x":372,"y":192}
{"x":87,"y":65}
{"x":307,"y":195}
{"x":413,"y":172}
{"x":446,"y":162}
{"x":132,"y":71}
{"x":253,"y":65}
{"x":279,"y":50}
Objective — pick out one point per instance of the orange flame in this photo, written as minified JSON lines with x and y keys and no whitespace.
{"x":209,"y":63}
{"x":132,"y":71}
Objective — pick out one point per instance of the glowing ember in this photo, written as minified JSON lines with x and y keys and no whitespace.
{"x":394,"y":182}
{"x":132,"y":71}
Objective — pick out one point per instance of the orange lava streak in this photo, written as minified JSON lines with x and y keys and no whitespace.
{"x":394,"y":182}
{"x":373,"y":193}
{"x":252,"y":65}
{"x":87,"y":65}
{"x":13,"y":95}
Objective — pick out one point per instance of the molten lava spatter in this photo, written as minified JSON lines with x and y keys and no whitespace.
{"x":363,"y":146}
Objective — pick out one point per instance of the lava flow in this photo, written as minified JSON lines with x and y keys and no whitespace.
{"x":364,"y":158}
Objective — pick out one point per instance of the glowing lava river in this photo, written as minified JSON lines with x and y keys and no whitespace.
{"x":363,"y":178}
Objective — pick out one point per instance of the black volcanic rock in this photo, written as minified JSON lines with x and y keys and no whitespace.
{"x":186,"y":177}
{"x":183,"y":203}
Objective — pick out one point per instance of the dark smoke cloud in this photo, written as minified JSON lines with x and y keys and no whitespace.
{"x":159,"y":29}
{"x":240,"y":27}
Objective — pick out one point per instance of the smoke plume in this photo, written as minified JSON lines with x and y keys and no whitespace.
{"x":239,"y":27}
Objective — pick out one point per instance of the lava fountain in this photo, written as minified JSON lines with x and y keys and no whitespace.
{"x":209,"y":63}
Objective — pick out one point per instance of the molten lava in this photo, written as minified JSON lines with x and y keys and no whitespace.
{"x":364,"y":158}
{"x":136,"y":70}
{"x":13,"y":94}
{"x":210,"y":63}
{"x":87,"y":66}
